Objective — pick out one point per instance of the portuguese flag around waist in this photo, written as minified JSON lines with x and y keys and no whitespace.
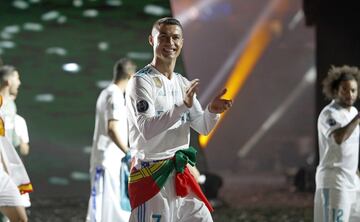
{"x":147,"y":182}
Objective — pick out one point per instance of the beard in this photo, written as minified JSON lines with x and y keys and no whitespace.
{"x":346,"y":103}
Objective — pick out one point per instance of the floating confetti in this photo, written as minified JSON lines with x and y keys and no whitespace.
{"x":6,"y":35}
{"x":103,"y":46}
{"x":102,"y":84}
{"x":80,"y":176}
{"x":114,"y":3}
{"x":45,"y":98}
{"x":87,"y":149}
{"x":12,"y":29}
{"x":71,"y":67}
{"x":20,"y":4}
{"x":58,"y":181}
{"x":139,"y":55}
{"x":7,"y":44}
{"x":62,"y":19}
{"x":35,"y":27}
{"x":78,"y":3}
{"x":57,"y":51}
{"x":91,"y":13}
{"x":50,"y":15}
{"x":156,"y":10}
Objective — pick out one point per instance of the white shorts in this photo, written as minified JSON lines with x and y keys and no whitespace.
{"x":332,"y":205}
{"x":9,"y":192}
{"x":104,"y":203}
{"x":165,"y":206}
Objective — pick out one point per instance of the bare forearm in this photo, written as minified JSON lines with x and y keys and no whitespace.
{"x":341,"y":134}
{"x":2,"y":162}
{"x":114,"y":134}
{"x":118,"y":141}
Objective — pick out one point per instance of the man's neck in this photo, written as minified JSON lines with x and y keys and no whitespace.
{"x":4,"y":93}
{"x":121,"y":84}
{"x":164,"y":67}
{"x":344,"y":106}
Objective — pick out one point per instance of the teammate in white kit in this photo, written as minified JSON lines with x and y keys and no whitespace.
{"x":14,"y":180}
{"x":109,"y":200}
{"x":337,"y":194}
{"x":162,"y":106}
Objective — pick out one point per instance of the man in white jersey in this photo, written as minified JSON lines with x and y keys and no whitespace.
{"x":9,"y":86}
{"x":162,"y":107}
{"x":337,"y":183}
{"x":14,"y":180}
{"x":109,"y":199}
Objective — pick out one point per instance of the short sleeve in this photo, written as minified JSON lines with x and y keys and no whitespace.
{"x":328,"y":122}
{"x":115,"y":103}
{"x":21,"y":129}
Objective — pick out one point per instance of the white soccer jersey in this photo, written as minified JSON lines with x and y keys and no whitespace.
{"x":159,"y":121}
{"x":21,"y":129}
{"x":8,"y":113}
{"x":338,"y":162}
{"x":110,"y":105}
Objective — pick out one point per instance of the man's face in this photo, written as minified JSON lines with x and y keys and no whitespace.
{"x":167,"y":41}
{"x":14,"y":83}
{"x":347,"y":93}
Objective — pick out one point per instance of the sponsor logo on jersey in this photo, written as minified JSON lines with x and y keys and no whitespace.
{"x":157,"y":82}
{"x":331,"y":122}
{"x":142,"y":106}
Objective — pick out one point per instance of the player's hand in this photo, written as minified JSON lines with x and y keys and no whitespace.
{"x":24,"y":149}
{"x":190,"y":91}
{"x":219,"y":105}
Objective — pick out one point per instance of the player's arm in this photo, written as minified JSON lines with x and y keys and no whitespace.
{"x":140,"y":102}
{"x":114,"y":134}
{"x":343,"y":133}
{"x":114,"y":111}
{"x":24,"y":148}
{"x":204,"y":121}
{"x":2,"y":162}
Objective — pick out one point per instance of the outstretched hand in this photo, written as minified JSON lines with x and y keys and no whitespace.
{"x":190,"y":91}
{"x":219,"y":105}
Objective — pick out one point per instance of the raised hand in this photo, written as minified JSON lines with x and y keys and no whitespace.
{"x":190,"y":91}
{"x":219,"y":105}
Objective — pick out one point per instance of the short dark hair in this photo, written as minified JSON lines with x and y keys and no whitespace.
{"x":119,"y":72}
{"x":338,"y":74}
{"x":5,"y":72}
{"x":167,"y":21}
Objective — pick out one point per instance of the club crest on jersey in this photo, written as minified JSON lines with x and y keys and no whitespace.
{"x":142,"y":106}
{"x":331,"y":122}
{"x":157,"y":82}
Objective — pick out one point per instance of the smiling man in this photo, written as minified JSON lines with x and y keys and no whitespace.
{"x":162,"y":106}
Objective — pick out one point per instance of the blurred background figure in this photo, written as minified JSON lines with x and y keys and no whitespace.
{"x":14,"y":181}
{"x":109,"y":199}
{"x":9,"y":86}
{"x":21,"y":131}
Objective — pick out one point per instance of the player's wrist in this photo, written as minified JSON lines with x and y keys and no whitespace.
{"x":187,"y":104}
{"x":210,"y":108}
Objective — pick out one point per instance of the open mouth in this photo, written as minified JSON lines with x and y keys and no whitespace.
{"x":169,"y":50}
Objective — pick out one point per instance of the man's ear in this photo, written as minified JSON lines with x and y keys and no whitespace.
{"x":151,"y":40}
{"x":6,"y":82}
